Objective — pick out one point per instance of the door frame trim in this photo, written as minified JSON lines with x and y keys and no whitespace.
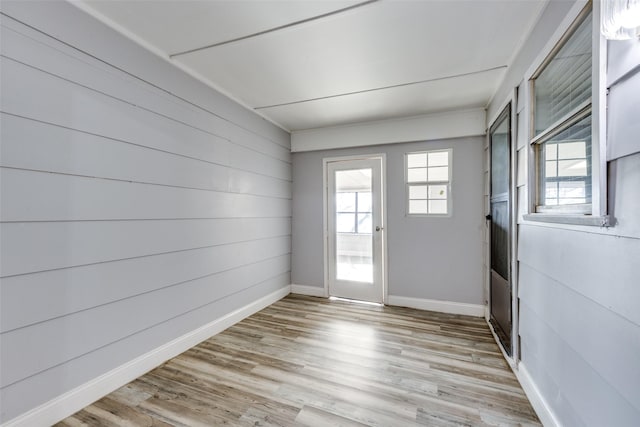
{"x":325,"y":220}
{"x":515,"y":274}
{"x":507,"y":112}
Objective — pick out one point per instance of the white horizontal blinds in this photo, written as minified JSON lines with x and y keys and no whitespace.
{"x":428,"y":182}
{"x":563,"y":123}
{"x":565,"y":82}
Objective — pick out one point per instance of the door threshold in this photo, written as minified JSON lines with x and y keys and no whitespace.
{"x":356,"y":301}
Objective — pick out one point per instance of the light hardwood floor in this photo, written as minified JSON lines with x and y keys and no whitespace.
{"x":316,"y":362}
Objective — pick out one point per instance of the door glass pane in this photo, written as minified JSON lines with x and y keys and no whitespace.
{"x":346,"y":202}
{"x":500,"y":159}
{"x":365,"y":225}
{"x":364,"y":201}
{"x":354,"y":225}
{"x":346,"y":222}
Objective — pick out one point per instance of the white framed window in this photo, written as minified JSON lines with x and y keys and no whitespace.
{"x":428,"y":182}
{"x":565,"y":134}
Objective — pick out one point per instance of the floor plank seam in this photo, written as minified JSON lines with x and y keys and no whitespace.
{"x":311,"y":361}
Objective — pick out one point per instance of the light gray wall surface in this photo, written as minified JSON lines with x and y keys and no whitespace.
{"x":623,"y":79}
{"x":579,"y":293}
{"x":429,"y":257}
{"x":137,"y":204}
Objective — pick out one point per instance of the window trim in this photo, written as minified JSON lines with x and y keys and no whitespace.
{"x":578,"y":209}
{"x":448,"y":183}
{"x":580,"y":112}
{"x":598,"y":213}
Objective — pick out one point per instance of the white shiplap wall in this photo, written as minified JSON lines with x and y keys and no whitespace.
{"x":578,"y":293}
{"x":137,"y":204}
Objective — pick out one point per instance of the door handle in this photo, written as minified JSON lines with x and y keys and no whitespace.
{"x":488,"y":218}
{"x":378,"y":228}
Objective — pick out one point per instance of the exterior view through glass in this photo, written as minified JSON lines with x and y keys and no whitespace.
{"x":354,"y":226}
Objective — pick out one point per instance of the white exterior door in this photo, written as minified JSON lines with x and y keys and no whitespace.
{"x":355,"y":232}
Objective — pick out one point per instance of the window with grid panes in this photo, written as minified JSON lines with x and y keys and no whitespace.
{"x":562,"y":127}
{"x":428,"y":181}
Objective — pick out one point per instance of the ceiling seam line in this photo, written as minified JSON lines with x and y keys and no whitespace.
{"x":284,"y":104}
{"x":271,"y":30}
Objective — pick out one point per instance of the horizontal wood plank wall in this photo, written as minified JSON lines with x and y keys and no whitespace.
{"x":137,"y":204}
{"x":580,"y":322}
{"x":578,"y":292}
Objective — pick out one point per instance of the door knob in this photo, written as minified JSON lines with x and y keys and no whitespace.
{"x":378,"y":228}
{"x":488,"y":218}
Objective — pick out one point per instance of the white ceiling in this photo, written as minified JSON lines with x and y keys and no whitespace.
{"x":307,"y":64}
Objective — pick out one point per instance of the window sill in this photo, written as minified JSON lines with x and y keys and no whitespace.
{"x":595,"y":221}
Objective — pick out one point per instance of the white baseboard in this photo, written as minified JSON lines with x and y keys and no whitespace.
{"x":69,"y":403}
{"x":538,"y":402}
{"x":451,"y":307}
{"x":312,"y":291}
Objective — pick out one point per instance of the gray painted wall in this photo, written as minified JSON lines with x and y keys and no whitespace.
{"x":429,"y":257}
{"x":622,"y":80}
{"x":137,"y":204}
{"x":578,"y":286}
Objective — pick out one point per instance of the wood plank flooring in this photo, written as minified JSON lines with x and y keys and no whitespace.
{"x":315,"y":362}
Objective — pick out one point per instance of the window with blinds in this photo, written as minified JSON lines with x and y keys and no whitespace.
{"x":561,"y":131}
